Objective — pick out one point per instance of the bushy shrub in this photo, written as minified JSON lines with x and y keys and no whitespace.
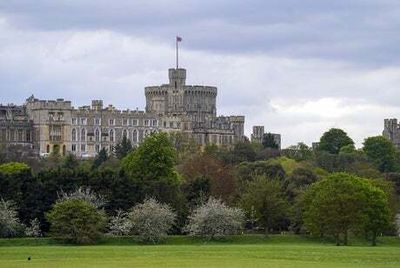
{"x":215,"y":219}
{"x":76,"y":221}
{"x":152,"y":220}
{"x":9,"y":222}
{"x":120,"y":224}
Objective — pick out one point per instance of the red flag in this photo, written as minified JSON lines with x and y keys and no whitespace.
{"x":178,"y":39}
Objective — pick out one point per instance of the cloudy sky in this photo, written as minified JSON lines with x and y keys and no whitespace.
{"x":297,"y":67}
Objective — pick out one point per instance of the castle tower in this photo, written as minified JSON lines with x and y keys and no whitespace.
{"x":177,"y":77}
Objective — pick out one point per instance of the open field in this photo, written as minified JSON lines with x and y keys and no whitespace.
{"x":272,"y":252}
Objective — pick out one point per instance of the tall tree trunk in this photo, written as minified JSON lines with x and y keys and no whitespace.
{"x":337,"y":239}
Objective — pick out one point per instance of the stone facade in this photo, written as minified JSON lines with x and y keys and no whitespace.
{"x":258,"y":135}
{"x":392,"y":131}
{"x":50,"y":126}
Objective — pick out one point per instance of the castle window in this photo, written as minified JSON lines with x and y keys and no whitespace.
{"x":134,"y":122}
{"x":97,"y":121}
{"x":73,"y":134}
{"x":83,"y":148}
{"x":134,"y":136}
{"x":146,"y":122}
{"x":97,"y":135}
{"x":154,"y":122}
{"x":74,"y":121}
{"x":124,"y":121}
{"x":28,"y":136}
{"x":165,"y":124}
{"x":171,"y":124}
{"x":111,"y":122}
{"x":112,"y":135}
{"x":83,"y":121}
{"x":73,"y":147}
{"x":48,"y":149}
{"x":83,"y":135}
{"x":97,"y":148}
{"x":176,"y":84}
{"x":178,"y":124}
{"x":20,"y":135}
{"x":124,"y":133}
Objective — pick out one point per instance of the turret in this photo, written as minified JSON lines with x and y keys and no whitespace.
{"x":177,"y":77}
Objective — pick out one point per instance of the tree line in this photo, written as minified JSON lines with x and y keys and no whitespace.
{"x":168,"y":185}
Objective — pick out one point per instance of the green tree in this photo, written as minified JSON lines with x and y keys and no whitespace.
{"x":123,"y":148}
{"x":264,"y":200}
{"x":151,"y":167}
{"x":268,"y":141}
{"x":101,"y":157}
{"x":333,"y":140}
{"x":70,"y":162}
{"x":299,"y":152}
{"x":381,"y":152}
{"x":76,"y":221}
{"x":343,"y":203}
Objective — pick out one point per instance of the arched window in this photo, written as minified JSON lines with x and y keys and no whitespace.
{"x":48,"y":148}
{"x":97,"y":135}
{"x":112,"y":139}
{"x":83,"y":135}
{"x":73,"y":134}
{"x":124,"y":133}
{"x":134,"y":136}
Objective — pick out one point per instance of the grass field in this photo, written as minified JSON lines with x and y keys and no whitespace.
{"x":253,"y":251}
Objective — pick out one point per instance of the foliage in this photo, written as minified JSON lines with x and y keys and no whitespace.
{"x":381,"y":152}
{"x":13,"y":168}
{"x":264,"y":199}
{"x":123,"y":148}
{"x":216,"y":177}
{"x":151,"y":167}
{"x":34,"y":229}
{"x":70,"y":162}
{"x":9,"y":222}
{"x":299,"y":152}
{"x":268,"y":141}
{"x":100,"y":158}
{"x":298,"y":182}
{"x":120,"y":224}
{"x":76,"y":221}
{"x":152,"y":220}
{"x":214,"y":219}
{"x":333,"y":140}
{"x":342,"y":203}
{"x":85,"y":194}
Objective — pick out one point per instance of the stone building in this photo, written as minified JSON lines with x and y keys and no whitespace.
{"x":259,"y":133}
{"x":391,"y":131}
{"x":50,"y":126}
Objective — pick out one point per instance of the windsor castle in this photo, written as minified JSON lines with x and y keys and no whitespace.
{"x":55,"y":126}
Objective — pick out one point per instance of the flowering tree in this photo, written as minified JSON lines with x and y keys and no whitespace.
{"x":215,"y":219}
{"x":120,"y":224}
{"x":34,"y":229}
{"x":85,"y":194}
{"x":152,"y":220}
{"x":9,"y":222}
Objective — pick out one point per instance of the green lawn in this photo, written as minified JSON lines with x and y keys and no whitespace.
{"x":272,"y":252}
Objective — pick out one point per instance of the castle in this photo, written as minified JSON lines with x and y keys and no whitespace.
{"x":391,"y":131}
{"x":55,"y":126}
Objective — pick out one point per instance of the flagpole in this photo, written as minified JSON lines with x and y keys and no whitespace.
{"x":176,"y":41}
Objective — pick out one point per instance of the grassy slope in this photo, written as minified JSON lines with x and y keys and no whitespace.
{"x":249,"y":251}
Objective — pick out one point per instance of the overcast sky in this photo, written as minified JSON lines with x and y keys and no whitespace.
{"x":297,"y":67}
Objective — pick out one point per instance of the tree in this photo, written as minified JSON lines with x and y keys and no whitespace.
{"x":299,"y":152}
{"x":214,"y":219}
{"x":342,"y":203}
{"x":120,"y":224}
{"x":9,"y":222}
{"x":101,"y":157}
{"x":85,"y":194}
{"x":264,"y":199}
{"x":269,"y":141}
{"x":76,"y":221}
{"x":151,"y":167}
{"x":381,"y":152}
{"x":34,"y":229}
{"x":70,"y":162}
{"x":123,"y":148}
{"x":333,"y":140}
{"x":152,"y":220}
{"x":298,"y":182}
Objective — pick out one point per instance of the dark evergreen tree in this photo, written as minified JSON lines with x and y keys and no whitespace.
{"x":123,"y":148}
{"x":101,"y":157}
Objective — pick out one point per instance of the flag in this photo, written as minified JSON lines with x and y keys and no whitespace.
{"x":178,"y":39}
